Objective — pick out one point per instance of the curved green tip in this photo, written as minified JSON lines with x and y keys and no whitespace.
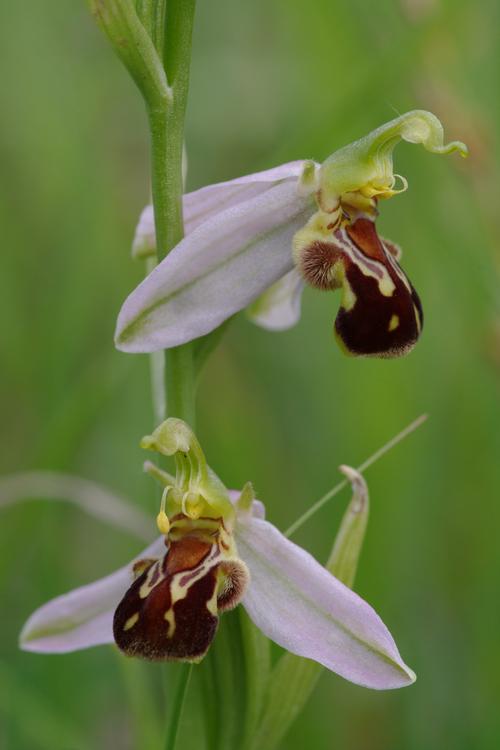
{"x":449,"y":148}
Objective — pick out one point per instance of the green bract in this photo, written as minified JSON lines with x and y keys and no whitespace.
{"x":134,"y":46}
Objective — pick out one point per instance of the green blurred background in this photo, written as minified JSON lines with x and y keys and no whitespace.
{"x":272,"y":80}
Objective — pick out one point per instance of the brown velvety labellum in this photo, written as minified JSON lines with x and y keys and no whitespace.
{"x":377,"y":324}
{"x":169,"y":612}
{"x":380,"y":313}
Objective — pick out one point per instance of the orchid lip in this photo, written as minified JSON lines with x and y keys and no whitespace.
{"x":380,"y":312}
{"x":170,"y":612}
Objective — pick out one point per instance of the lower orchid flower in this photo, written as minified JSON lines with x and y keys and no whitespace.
{"x":252,"y":242}
{"x":216,"y":549}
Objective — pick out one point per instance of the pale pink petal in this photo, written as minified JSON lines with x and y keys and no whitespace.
{"x":278,"y":308}
{"x":207,"y":201}
{"x":302,"y":607}
{"x":200,"y":204}
{"x":216,"y":270}
{"x":84,"y":616}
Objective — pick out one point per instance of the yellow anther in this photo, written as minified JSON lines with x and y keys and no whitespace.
{"x":162,"y":522}
{"x":162,"y":519}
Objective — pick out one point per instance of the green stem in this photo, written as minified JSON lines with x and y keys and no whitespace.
{"x":179,"y":700}
{"x":167,"y":137}
{"x":157,"y":370}
{"x":180,"y":383}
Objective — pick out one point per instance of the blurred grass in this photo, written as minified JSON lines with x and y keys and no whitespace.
{"x":271,"y":81}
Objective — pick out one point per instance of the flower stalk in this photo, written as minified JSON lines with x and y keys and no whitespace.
{"x":171,"y":28}
{"x":166,"y":123}
{"x":153,"y":39}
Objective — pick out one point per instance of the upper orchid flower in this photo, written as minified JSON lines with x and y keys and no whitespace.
{"x":219,"y":551}
{"x":253,"y":240}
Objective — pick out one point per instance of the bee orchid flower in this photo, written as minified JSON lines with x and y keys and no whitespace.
{"x":252,"y":242}
{"x":215,"y":550}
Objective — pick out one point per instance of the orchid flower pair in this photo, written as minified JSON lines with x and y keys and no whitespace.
{"x":215,"y":550}
{"x":254,"y":241}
